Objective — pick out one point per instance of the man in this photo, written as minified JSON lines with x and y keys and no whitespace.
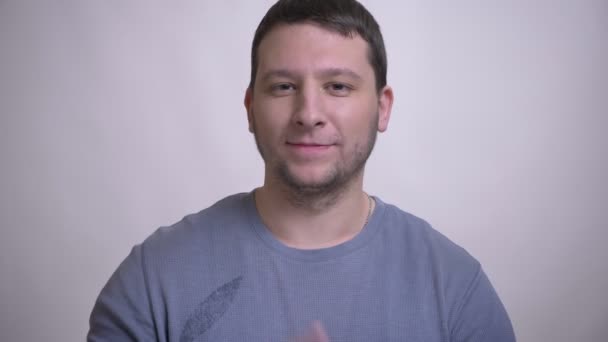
{"x":308,"y":256}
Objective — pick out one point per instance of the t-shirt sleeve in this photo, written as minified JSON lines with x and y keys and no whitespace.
{"x":482,"y":316}
{"x":122,"y":310}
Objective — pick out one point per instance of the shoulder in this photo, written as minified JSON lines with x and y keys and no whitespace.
{"x":184,"y":253}
{"x":418,"y":236}
{"x":413,"y":239}
{"x":220,"y":223}
{"x":473,"y":311}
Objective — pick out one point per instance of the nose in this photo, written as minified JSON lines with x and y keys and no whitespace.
{"x":308,"y":112}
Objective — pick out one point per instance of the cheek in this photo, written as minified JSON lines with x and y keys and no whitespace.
{"x":357,"y":121}
{"x":268,"y":122}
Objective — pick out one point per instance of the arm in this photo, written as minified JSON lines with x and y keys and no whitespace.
{"x":122,"y":311}
{"x":481,"y":315}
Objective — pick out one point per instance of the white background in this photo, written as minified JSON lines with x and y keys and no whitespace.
{"x":121,"y":116}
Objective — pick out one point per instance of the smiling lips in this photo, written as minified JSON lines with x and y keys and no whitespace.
{"x":308,"y":149}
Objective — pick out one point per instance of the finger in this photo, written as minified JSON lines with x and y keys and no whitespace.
{"x":318,"y":332}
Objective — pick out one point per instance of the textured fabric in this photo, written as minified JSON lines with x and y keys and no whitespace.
{"x":220,"y":275}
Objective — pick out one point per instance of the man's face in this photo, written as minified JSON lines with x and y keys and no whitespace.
{"x":314,"y":108}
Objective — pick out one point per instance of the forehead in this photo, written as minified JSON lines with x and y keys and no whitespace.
{"x":308,"y":47}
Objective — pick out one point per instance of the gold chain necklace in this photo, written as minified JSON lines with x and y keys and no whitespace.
{"x":369,"y":211}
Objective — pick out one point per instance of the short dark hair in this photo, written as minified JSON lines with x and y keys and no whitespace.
{"x":347,"y":17}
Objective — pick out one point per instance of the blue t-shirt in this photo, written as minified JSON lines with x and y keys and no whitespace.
{"x":220,"y":275}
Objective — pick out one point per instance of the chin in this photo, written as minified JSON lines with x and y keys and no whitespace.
{"x":312,"y":181}
{"x":309,"y":179}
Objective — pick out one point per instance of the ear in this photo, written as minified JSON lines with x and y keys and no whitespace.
{"x":385,"y":105}
{"x":249,"y":107}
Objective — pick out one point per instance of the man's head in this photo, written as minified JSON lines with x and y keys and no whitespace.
{"x":346,"y":17}
{"x":315,"y":103}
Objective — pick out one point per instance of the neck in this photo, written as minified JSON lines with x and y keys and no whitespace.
{"x":312,"y":221}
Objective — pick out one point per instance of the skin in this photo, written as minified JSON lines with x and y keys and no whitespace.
{"x":315,"y":334}
{"x":314,"y":110}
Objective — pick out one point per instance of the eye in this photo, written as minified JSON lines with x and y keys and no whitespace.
{"x":282,"y":89}
{"x":338,"y":89}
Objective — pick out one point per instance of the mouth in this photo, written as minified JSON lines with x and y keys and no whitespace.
{"x":298,"y":144}
{"x":307,"y":148}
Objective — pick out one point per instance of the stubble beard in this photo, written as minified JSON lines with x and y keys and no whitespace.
{"x":324,"y":193}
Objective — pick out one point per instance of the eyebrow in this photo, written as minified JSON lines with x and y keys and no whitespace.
{"x":323,"y":73}
{"x":332,"y":72}
{"x":278,"y":73}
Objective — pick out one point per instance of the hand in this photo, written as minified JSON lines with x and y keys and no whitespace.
{"x":316,"y":334}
